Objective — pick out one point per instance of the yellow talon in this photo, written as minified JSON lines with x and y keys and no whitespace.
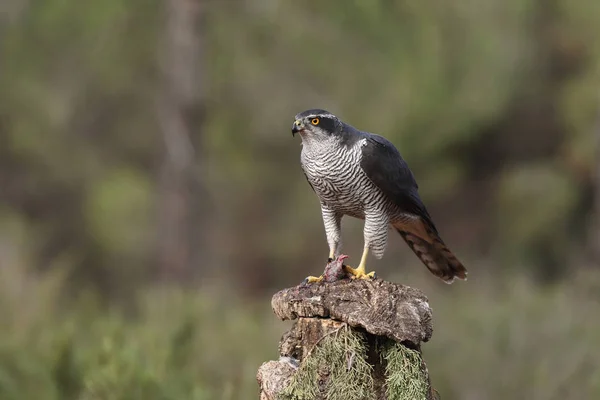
{"x":313,"y":279}
{"x":360,"y":273}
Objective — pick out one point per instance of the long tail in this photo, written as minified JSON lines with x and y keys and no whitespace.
{"x":432,"y":251}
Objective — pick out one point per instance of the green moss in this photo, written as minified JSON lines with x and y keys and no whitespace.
{"x":342,"y":357}
{"x":406,"y":378}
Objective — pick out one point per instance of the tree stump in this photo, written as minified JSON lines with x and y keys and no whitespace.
{"x":352,"y":339}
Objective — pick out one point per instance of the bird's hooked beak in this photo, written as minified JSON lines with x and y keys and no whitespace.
{"x":297,"y":126}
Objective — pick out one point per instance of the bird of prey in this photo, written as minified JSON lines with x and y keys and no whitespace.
{"x":362,"y":175}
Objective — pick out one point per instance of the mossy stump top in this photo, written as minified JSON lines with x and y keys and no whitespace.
{"x":352,"y":339}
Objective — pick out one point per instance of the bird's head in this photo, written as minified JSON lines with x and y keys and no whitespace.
{"x":316,"y":125}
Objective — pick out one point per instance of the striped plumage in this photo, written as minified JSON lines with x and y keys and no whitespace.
{"x":362,"y":175}
{"x":333,"y":170}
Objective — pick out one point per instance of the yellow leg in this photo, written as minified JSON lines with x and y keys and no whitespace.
{"x":359,"y":273}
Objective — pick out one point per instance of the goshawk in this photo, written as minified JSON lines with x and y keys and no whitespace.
{"x":362,"y":175}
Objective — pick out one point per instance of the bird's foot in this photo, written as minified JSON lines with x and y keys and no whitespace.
{"x":312,"y":279}
{"x":359,"y":273}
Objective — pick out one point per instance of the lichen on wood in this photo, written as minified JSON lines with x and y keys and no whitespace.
{"x":406,"y":374}
{"x":336,"y":367}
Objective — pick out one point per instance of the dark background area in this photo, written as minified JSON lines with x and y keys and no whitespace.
{"x":151,"y":198}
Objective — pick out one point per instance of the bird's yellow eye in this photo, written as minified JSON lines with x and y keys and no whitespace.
{"x":315,"y":121}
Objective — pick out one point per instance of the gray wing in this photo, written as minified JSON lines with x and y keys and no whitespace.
{"x":386,"y":168}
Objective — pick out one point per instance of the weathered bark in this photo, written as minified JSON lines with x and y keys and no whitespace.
{"x":380,"y":312}
{"x":381,"y":308}
{"x":180,"y":110}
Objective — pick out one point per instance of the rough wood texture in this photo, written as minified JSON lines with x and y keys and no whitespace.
{"x":297,"y":342}
{"x":380,"y":308}
{"x":273,"y":377}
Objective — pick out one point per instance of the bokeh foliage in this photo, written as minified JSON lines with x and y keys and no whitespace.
{"x":494,"y":104}
{"x":495,"y":338}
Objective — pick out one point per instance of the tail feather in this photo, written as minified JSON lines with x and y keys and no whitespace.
{"x":434,"y":254}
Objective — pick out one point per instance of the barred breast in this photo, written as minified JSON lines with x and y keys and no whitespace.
{"x":335,"y":174}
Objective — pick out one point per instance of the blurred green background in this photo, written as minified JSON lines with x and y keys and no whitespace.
{"x":151,"y":198}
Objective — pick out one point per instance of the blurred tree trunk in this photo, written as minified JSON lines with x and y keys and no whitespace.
{"x":180,"y":114}
{"x":594,"y":243}
{"x":11,"y":10}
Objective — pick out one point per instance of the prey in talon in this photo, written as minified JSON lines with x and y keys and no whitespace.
{"x":362,"y":175}
{"x":335,"y":270}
